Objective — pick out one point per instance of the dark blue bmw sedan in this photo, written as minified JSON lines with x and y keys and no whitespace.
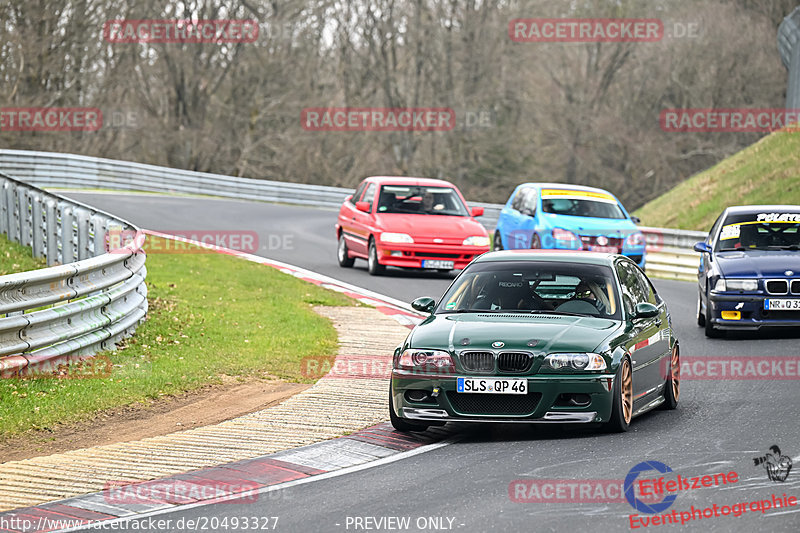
{"x":749,"y":275}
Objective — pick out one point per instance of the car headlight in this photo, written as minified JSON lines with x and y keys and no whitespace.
{"x":723,"y":285}
{"x":575,"y":361}
{"x":397,"y":238}
{"x":476,"y":240}
{"x":430,"y":359}
{"x":564,"y":235}
{"x":635,"y":239}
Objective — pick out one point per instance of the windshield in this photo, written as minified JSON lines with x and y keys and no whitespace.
{"x":421,"y":200}
{"x":533,"y":287}
{"x":580,"y":204}
{"x":760,"y":231}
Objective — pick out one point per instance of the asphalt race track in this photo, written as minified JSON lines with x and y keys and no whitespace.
{"x":721,"y":425}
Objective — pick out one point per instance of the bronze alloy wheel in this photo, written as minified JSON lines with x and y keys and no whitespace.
{"x":626,"y":391}
{"x":675,"y":370}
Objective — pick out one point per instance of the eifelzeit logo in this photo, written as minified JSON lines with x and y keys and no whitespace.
{"x":777,"y":465}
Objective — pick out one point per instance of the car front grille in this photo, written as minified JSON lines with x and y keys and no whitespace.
{"x":437,"y":255}
{"x":777,"y":286}
{"x":514,"y":362}
{"x":494,"y":404}
{"x":796,"y":286}
{"x":591,"y":240}
{"x":478,"y":361}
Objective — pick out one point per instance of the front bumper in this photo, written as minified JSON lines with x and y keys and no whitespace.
{"x":543,"y":402}
{"x":752,"y":312}
{"x":412,"y":255}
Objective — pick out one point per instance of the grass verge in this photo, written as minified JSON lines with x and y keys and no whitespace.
{"x":767,"y":172}
{"x":213,"y":319}
{"x":17,"y":258}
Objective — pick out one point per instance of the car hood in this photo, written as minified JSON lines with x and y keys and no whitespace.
{"x":758,"y":263}
{"x":590,"y":225}
{"x":552,"y":333}
{"x":441,"y":226}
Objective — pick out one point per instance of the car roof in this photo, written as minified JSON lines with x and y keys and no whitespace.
{"x":748,"y":209}
{"x":567,"y":186}
{"x":562,"y":256}
{"x":407,"y":180}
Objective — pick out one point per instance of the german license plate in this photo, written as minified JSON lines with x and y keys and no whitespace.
{"x":492,"y":385}
{"x":436,"y":263}
{"x":605,"y":249}
{"x":781,"y":305}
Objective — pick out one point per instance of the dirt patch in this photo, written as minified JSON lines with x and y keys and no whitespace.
{"x":160,"y":417}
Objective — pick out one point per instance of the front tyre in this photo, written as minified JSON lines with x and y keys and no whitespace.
{"x":711,"y":331}
{"x":622,"y":404}
{"x":701,"y":318}
{"x":342,"y":254}
{"x":498,"y":240}
{"x":401,"y":424}
{"x":373,"y":266}
{"x":536,"y":242}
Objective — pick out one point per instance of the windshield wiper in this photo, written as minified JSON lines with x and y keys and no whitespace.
{"x":553,"y":312}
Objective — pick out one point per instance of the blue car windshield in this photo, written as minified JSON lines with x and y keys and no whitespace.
{"x":412,"y":199}
{"x":582,"y":208}
{"x":533,"y":287}
{"x":759,"y":231}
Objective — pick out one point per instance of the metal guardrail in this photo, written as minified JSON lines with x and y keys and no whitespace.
{"x":669,"y":250}
{"x":86,"y":301}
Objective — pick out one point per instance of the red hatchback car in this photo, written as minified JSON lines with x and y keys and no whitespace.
{"x":409,"y":223}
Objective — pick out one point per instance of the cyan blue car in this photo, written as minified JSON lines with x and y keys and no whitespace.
{"x":568,"y":217}
{"x":749,"y":275}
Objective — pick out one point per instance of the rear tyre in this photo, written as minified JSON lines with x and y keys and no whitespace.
{"x":498,"y":240}
{"x":401,"y":424}
{"x":672,"y":389}
{"x":622,"y":404}
{"x":373,"y":266}
{"x":341,"y":254}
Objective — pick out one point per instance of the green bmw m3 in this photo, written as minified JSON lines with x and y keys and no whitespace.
{"x":538,"y":337}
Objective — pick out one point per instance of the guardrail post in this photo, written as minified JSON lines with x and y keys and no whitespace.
{"x":67,"y":233}
{"x":51,"y":231}
{"x":3,"y":207}
{"x":97,"y":230}
{"x":37,"y":225}
{"x":12,"y":212}
{"x":25,"y":216}
{"x":83,"y":239}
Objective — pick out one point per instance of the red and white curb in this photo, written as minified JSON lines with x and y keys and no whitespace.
{"x":240,"y":482}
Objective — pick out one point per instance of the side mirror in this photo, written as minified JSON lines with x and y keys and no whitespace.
{"x":702,"y":247}
{"x":424,"y":304}
{"x":363,"y":206}
{"x":636,"y":220}
{"x":477,"y":211}
{"x":645,"y":310}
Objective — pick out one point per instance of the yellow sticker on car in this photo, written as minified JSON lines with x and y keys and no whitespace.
{"x":571,"y":193}
{"x":731,"y":315}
